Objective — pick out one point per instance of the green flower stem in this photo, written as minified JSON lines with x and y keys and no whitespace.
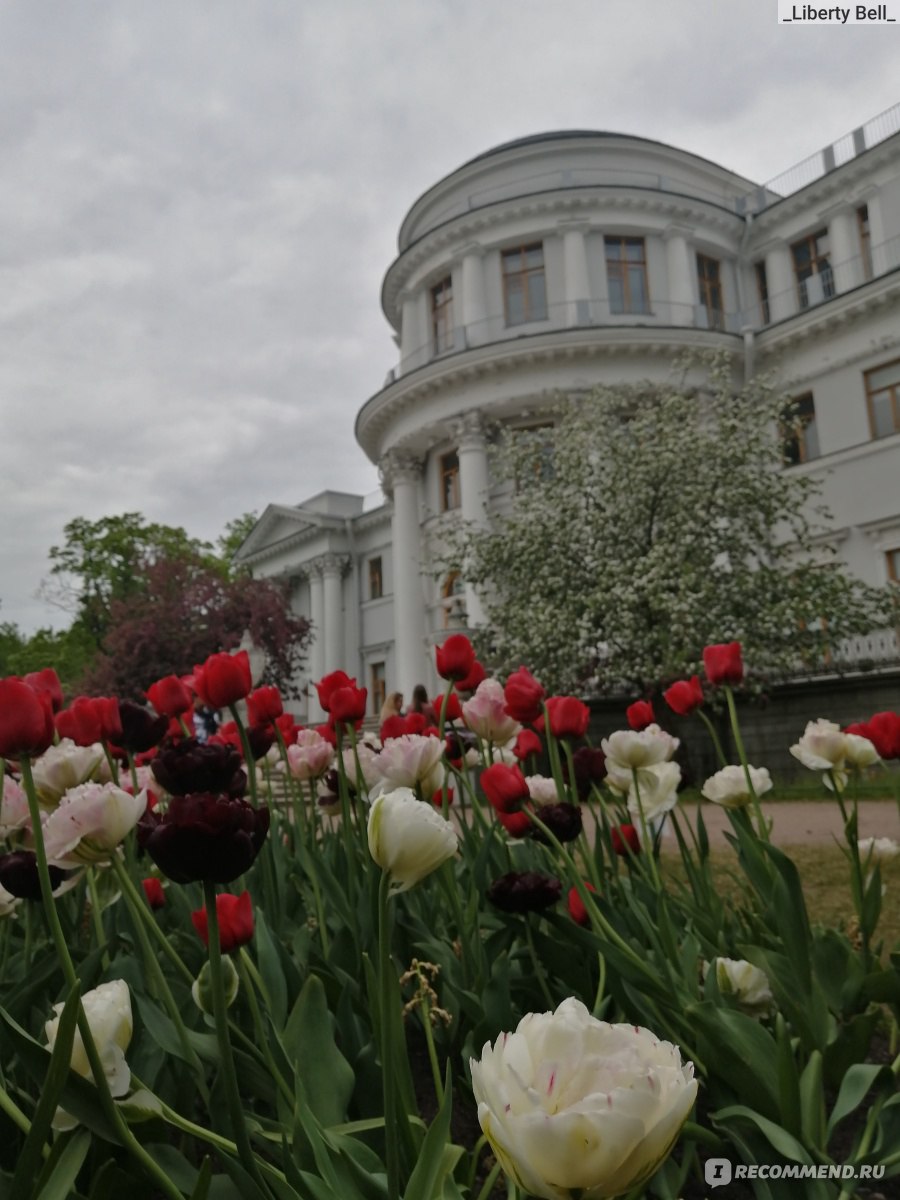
{"x":711,"y":730}
{"x":226,"y":1058}
{"x":207,"y":1135}
{"x":388,"y":1047}
{"x":15,"y":1114}
{"x":138,"y":904}
{"x":488,"y":1185}
{"x":249,"y":977}
{"x":445,"y":700}
{"x":162,"y":985}
{"x":601,"y":986}
{"x":249,"y":760}
{"x":97,"y":915}
{"x":553,"y":754}
{"x":107,"y":1103}
{"x":432,"y":1051}
{"x":761,"y":825}
{"x":649,"y":855}
{"x":346,"y":819}
{"x":540,"y":975}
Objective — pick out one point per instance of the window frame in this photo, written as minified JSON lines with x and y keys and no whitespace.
{"x":376,"y":578}
{"x":819,"y":263}
{"x":448,"y":473}
{"x":377,"y":685}
{"x":793,"y":432}
{"x":522,"y":275}
{"x":619,"y":268}
{"x":710,"y":289}
{"x":892,"y":390}
{"x":762,"y":290}
{"x":441,"y":296}
{"x":892,"y":558}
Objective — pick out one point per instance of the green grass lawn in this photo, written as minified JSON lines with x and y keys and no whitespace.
{"x":825,"y":873}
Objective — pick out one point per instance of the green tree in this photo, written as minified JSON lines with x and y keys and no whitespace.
{"x":664,"y":522}
{"x":102,"y":561}
{"x":235,"y":534}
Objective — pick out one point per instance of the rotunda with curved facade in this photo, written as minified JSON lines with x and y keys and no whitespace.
{"x":563,"y":260}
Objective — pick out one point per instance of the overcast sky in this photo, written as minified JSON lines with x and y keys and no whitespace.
{"x":198,"y":202}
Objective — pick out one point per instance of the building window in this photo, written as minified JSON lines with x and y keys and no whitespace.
{"x":812,"y":269}
{"x":762,"y":290}
{"x":799,"y":433}
{"x":710,"y":291}
{"x":449,"y":481}
{"x":442,"y":316}
{"x":376,"y":687}
{"x":865,"y":240}
{"x":524,"y":289}
{"x":893,"y":565}
{"x":883,"y":399}
{"x":626,"y":272}
{"x":376,"y":579}
{"x":453,"y":604}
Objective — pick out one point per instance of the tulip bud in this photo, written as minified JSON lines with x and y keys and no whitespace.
{"x":408,"y":838}
{"x":201,"y":988}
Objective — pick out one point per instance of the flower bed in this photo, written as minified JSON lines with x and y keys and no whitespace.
{"x":303,"y":963}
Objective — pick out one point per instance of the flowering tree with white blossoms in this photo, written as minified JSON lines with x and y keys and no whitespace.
{"x":649,"y":520}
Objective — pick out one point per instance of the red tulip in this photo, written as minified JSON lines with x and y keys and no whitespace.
{"x":568,"y":716}
{"x":348,"y":704}
{"x":235,"y":914}
{"x":577,"y":910}
{"x":330,"y":683}
{"x":639,"y":715}
{"x":455,"y":658}
{"x":47,"y":681}
{"x":523,"y":695}
{"x":170,"y":696}
{"x":625,"y":838}
{"x":264,"y":705}
{"x":471,"y":681}
{"x":223,"y":679}
{"x":516,"y":824}
{"x":505,"y":787}
{"x":153,"y":890}
{"x":685,"y":696}
{"x":26,"y":719}
{"x":454,"y":708}
{"x":90,"y":719}
{"x":527,"y":743}
{"x":883,"y":731}
{"x":723,"y":663}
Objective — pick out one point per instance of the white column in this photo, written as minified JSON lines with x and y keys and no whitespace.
{"x":473,"y":314}
{"x":411,"y":336}
{"x":681,"y":267}
{"x":884,"y":257}
{"x":332,"y":570}
{"x":781,"y":283}
{"x":315,"y":712}
{"x":577,"y":281}
{"x":473,"y":485}
{"x":843,"y":248}
{"x":401,"y":474}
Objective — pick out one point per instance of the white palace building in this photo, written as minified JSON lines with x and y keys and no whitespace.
{"x":563,"y":260}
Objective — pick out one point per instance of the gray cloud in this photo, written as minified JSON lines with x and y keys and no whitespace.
{"x":198,"y":203}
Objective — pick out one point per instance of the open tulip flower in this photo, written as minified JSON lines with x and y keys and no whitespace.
{"x":204,"y":837}
{"x":223,"y":679}
{"x":729,"y":786}
{"x":26,"y":719}
{"x":64,"y":766}
{"x":235,"y":915}
{"x":408,"y":838}
{"x":90,"y":823}
{"x":573,"y":1106}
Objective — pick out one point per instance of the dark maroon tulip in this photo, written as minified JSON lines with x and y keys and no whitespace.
{"x":563,"y":821}
{"x":590,"y":768}
{"x":188,"y":766}
{"x":141,"y":729}
{"x":19,"y":875}
{"x":204,"y":837}
{"x":524,"y":891}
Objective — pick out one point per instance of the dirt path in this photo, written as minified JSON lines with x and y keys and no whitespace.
{"x":805,"y":822}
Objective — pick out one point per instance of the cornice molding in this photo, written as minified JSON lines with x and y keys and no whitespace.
{"x":842,"y":310}
{"x":578,"y":205}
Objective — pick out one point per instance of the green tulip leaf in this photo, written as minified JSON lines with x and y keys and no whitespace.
{"x":62,"y":1173}
{"x":325,"y":1075}
{"x":855,"y":1086}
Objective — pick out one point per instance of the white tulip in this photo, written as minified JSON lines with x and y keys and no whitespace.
{"x":90,"y":823}
{"x":728,"y":787}
{"x":822,"y":747}
{"x":656,"y":791}
{"x":408,"y":838}
{"x":407,"y":760}
{"x":64,"y":766}
{"x":572,"y":1105}
{"x":748,"y":985}
{"x":875,"y":851}
{"x":628,"y":749}
{"x":108,"y":1012}
{"x":541,"y":790}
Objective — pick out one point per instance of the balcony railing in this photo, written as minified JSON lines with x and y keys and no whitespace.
{"x":570,"y":314}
